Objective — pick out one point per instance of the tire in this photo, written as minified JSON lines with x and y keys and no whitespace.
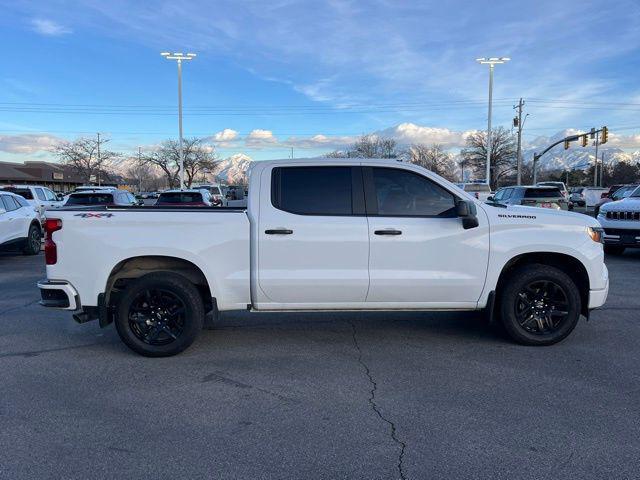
{"x":34,"y":240}
{"x":531,"y":317}
{"x":613,"y":250}
{"x":171,"y":320}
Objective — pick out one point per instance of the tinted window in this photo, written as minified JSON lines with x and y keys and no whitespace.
{"x":179,"y":197}
{"x":23,"y":192}
{"x":403,"y":193}
{"x":542,"y":193}
{"x":90,"y":199}
{"x":21,"y":201}
{"x":498,"y":195}
{"x":313,"y":190}
{"x":40,"y":194}
{"x":9,"y":203}
{"x":477,"y":187}
{"x":507,"y":193}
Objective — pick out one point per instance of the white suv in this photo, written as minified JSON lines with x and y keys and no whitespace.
{"x":19,"y":224}
{"x":40,"y":197}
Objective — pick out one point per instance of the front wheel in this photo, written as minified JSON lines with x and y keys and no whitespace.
{"x":160,"y":314}
{"x":540,"y":305}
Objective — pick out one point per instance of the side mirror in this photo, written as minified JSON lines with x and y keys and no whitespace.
{"x":467,"y":211}
{"x":60,"y":197}
{"x":490,"y":198}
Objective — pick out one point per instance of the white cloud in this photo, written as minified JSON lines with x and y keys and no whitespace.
{"x":225,"y":135}
{"x":260,"y":138}
{"x":407,"y":133}
{"x":47,"y":27}
{"x":28,"y":144}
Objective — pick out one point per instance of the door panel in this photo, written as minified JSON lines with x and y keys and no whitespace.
{"x":308,"y":257}
{"x":420,"y":254}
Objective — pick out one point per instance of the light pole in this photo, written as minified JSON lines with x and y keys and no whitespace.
{"x":492,"y":61}
{"x":179,"y":57}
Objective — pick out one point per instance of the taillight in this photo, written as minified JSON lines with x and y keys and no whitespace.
{"x":50,"y":248}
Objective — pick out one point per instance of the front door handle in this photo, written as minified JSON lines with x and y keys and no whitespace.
{"x":389,"y":231}
{"x":279,"y":231}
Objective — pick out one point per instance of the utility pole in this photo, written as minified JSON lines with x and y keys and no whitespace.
{"x":602,"y":171}
{"x":520,"y":125}
{"x":98,"y":158}
{"x":139,"y":171}
{"x":595,"y":171}
{"x":291,"y":152}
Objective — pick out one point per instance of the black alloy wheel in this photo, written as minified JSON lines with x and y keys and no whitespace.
{"x":157,"y":316}
{"x":542,"y":306}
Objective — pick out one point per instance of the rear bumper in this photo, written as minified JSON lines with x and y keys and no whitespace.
{"x":58,"y":294}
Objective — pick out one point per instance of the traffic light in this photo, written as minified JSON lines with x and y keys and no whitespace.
{"x":515,"y":121}
{"x":566,"y":144}
{"x":585,"y":141}
{"x":605,"y":135}
{"x":592,"y":134}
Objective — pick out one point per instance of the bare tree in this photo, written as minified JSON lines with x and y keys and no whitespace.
{"x":434,"y":158}
{"x":198,"y":158}
{"x":82,"y":157}
{"x":368,"y":146}
{"x":503,"y":154}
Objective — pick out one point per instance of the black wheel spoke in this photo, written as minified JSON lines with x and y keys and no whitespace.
{"x":156,"y":316}
{"x":542,"y":306}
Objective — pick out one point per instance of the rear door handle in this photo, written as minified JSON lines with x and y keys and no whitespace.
{"x":389,"y":231}
{"x":279,"y":231}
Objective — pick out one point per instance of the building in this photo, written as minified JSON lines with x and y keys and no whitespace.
{"x":59,"y":178}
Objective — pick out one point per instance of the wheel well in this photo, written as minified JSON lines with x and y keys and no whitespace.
{"x":136,"y":267}
{"x":568,"y":264}
{"x":37,"y":224}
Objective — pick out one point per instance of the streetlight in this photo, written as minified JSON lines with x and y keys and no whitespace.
{"x":492,"y":61}
{"x":179,"y":57}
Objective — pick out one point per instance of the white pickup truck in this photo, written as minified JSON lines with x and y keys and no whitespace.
{"x":324,"y":234}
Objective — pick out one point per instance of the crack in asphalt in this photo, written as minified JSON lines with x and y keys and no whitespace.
{"x":374,"y":405}
{"x":35,"y":353}
{"x":13,"y":309}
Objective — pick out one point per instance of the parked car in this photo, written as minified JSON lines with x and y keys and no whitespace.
{"x":621,"y":222}
{"x":147,"y":195}
{"x":40,"y":197}
{"x":481,"y":191}
{"x":20,"y":226}
{"x":587,"y":197}
{"x":101,"y":197}
{"x":616,"y":192}
{"x":192,"y":198}
{"x":329,"y":234}
{"x":217,"y":198}
{"x":560,"y":185}
{"x":531,"y":196}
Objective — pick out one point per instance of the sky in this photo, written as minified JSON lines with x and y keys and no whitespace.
{"x":272,"y":76}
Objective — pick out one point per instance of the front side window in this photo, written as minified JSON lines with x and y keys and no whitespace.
{"x":50,"y":196}
{"x":403,"y":193}
{"x":313,"y":190}
{"x":499,"y":194}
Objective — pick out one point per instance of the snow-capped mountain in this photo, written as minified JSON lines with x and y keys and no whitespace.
{"x":234,"y":170}
{"x":576,"y":156}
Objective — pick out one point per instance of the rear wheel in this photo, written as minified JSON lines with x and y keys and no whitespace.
{"x":613,"y":250}
{"x":33,"y":242}
{"x":160,"y":314}
{"x":540,"y":305}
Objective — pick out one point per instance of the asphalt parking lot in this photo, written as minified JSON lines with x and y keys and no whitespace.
{"x":330,"y":396}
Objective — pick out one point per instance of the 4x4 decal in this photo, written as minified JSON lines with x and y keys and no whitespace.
{"x":94,"y":215}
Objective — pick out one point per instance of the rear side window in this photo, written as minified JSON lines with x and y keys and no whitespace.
{"x":313,"y":190}
{"x":90,"y":199}
{"x":21,"y":201}
{"x":23,"y":192}
{"x":407,"y":194}
{"x":542,"y":193}
{"x":9,"y":203}
{"x":40,"y":194}
{"x":180,"y":197}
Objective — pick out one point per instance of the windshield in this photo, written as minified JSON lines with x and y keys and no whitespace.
{"x":636,"y":193}
{"x":476,"y":187}
{"x":90,"y":199}
{"x":623,"y":192}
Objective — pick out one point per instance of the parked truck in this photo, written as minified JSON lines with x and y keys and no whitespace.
{"x":325,"y":235}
